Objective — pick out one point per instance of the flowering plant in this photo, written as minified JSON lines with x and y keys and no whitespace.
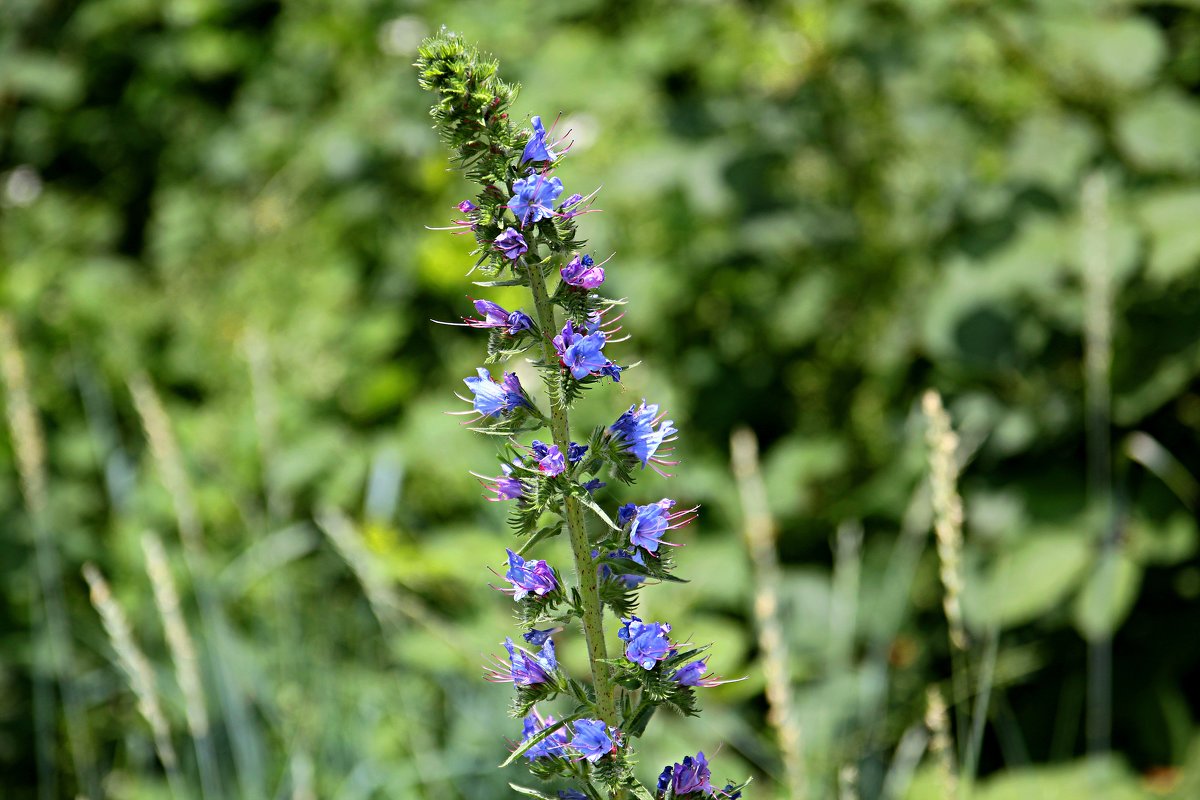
{"x":526,"y":237}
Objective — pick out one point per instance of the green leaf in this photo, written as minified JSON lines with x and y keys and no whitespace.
{"x":1107,"y":595}
{"x":530,"y":792}
{"x":1161,"y":131}
{"x":1169,"y":217}
{"x":1027,"y":580}
{"x":583,"y":496}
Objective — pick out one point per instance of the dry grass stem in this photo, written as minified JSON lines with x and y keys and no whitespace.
{"x":947,"y":511}
{"x":760,"y":532}
{"x":133,"y":663}
{"x":165,"y":450}
{"x":29,"y":446}
{"x":940,"y":745}
{"x":179,"y":640}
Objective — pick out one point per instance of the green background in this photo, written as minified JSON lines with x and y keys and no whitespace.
{"x":817,"y":209}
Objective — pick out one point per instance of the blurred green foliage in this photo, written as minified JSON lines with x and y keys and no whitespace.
{"x":818,"y":210}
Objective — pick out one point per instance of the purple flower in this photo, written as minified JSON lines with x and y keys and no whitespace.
{"x":529,"y":577}
{"x":573,"y":200}
{"x":593,"y":739}
{"x":537,"y":638}
{"x":650,"y":522}
{"x":634,"y":430}
{"x":493,"y":399}
{"x":691,"y":776}
{"x":575,"y":452}
{"x":692,"y":674}
{"x":583,"y":354}
{"x":571,"y":794}
{"x":533,"y":198}
{"x":548,"y":747}
{"x":512,"y":244}
{"x":550,"y":458}
{"x":582,"y":272}
{"x":647,"y":642}
{"x":466,"y":207}
{"x":505,"y":486}
{"x":523,"y":667}
{"x":536,"y":148}
{"x":496,"y":316}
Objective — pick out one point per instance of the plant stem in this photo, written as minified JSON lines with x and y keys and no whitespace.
{"x":585,"y":567}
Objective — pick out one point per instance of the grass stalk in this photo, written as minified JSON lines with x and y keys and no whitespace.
{"x":1097,"y":325}
{"x":183,"y":656}
{"x":29,"y":446}
{"x":168,"y":459}
{"x":138,"y":672}
{"x":759,"y":532}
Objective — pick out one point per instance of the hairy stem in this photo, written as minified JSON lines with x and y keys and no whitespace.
{"x":585,"y":567}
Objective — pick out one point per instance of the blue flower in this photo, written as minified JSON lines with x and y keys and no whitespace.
{"x":647,"y":643}
{"x":548,"y":747}
{"x":581,"y":272}
{"x":493,"y":399}
{"x":583,"y":354}
{"x":575,"y":452}
{"x":496,"y":316}
{"x":523,"y":667}
{"x":593,"y":485}
{"x":533,"y":198}
{"x":536,"y":148}
{"x":529,"y":577}
{"x":634,"y":432}
{"x":691,"y":776}
{"x":664,"y":779}
{"x":731,"y":792}
{"x":593,"y":739}
{"x":571,"y":794}
{"x":648,"y":523}
{"x":537,"y":638}
{"x":512,"y":244}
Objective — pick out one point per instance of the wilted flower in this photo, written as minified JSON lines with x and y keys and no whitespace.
{"x":533,"y":198}
{"x":647,"y":643}
{"x":512,"y":244}
{"x":593,"y":739}
{"x":529,"y":577}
